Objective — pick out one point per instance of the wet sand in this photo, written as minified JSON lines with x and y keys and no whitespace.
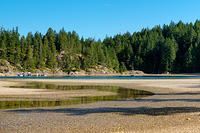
{"x":174,"y":108}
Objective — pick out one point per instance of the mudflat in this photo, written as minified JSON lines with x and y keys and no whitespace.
{"x":174,"y":108}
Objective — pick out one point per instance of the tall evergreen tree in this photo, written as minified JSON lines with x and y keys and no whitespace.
{"x":51,"y":55}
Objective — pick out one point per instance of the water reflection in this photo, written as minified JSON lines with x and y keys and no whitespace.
{"x":122,"y":93}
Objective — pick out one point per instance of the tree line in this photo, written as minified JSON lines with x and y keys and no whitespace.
{"x":170,"y":48}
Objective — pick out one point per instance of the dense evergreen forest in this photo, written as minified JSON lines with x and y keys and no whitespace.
{"x":170,"y":48}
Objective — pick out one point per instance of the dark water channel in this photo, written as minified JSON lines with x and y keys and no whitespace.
{"x":121,"y":93}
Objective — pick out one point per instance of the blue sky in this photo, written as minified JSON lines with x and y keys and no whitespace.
{"x":94,"y":18}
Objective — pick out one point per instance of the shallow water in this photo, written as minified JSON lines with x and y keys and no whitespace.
{"x":122,"y":93}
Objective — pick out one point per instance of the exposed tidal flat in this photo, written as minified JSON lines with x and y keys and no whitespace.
{"x":174,"y":107}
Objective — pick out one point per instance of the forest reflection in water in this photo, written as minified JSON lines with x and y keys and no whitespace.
{"x":121,"y":93}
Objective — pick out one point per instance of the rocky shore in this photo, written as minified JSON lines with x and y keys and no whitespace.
{"x":74,"y":73}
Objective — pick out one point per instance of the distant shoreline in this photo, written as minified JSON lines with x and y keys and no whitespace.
{"x":102,"y":75}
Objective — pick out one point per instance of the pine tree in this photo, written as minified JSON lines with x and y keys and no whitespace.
{"x":168,"y":55}
{"x":3,"y":49}
{"x":29,"y":61}
{"x":51,"y":55}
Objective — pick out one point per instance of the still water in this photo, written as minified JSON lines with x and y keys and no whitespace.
{"x":121,"y":93}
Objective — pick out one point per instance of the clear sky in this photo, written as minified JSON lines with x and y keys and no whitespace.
{"x":94,"y":18}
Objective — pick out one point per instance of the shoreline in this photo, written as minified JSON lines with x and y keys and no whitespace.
{"x":103,"y":75}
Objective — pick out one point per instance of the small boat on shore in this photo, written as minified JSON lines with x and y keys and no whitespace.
{"x":29,"y":74}
{"x":24,"y":74}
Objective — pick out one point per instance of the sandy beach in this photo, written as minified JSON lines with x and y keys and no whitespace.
{"x":174,"y":108}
